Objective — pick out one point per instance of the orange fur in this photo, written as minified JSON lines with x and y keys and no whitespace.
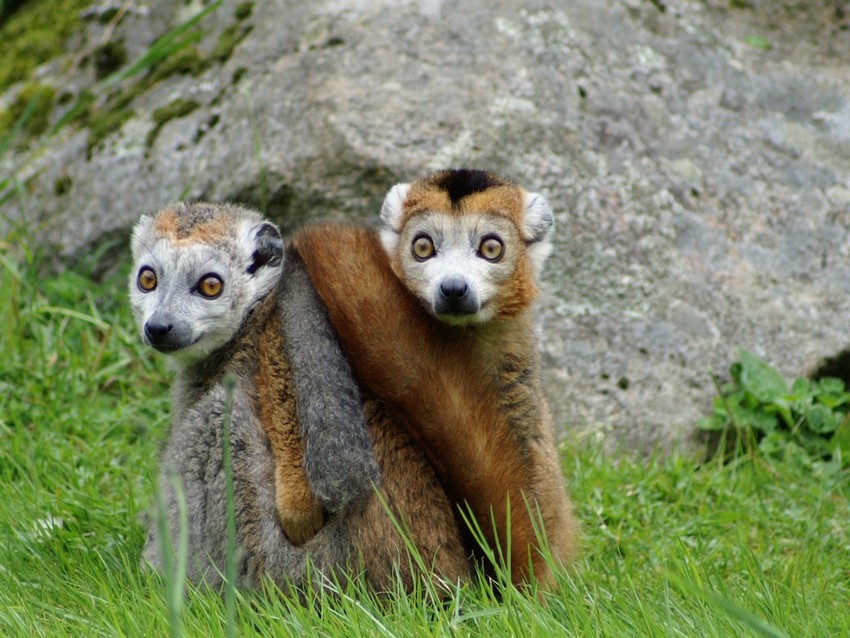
{"x":470,"y":397}
{"x":169,"y":223}
{"x":301,"y":515}
{"x":408,"y":487}
{"x":424,"y":196}
{"x":166,"y":223}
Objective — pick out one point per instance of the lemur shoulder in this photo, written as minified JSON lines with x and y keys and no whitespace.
{"x":210,"y":289}
{"x":435,"y":315}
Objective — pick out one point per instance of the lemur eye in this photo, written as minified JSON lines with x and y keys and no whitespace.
{"x":210,"y":286}
{"x":146,"y":279}
{"x":491,"y":248}
{"x":423,"y":247}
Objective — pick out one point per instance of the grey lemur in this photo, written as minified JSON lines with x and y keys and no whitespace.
{"x":211,"y":288}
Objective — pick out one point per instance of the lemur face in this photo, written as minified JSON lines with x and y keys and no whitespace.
{"x":467,"y":244}
{"x":199,"y":269}
{"x":458,"y":265}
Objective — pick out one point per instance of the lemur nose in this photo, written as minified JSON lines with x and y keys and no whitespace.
{"x":155,"y":329}
{"x":453,"y":288}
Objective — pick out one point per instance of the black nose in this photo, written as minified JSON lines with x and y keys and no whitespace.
{"x":453,"y":288}
{"x":155,"y":330}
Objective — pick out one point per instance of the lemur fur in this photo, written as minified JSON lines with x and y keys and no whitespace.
{"x":211,"y":288}
{"x":434,"y":314}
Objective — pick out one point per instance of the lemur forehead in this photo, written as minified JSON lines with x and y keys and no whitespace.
{"x":504,"y":200}
{"x":194,"y":223}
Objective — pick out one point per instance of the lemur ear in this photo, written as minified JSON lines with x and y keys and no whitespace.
{"x":391,"y":216}
{"x":268,"y":247}
{"x":393,"y":204}
{"x":537,"y":228}
{"x":141,"y":228}
{"x":538,"y":220}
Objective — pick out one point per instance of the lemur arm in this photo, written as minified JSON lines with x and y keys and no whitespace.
{"x":338,"y":456}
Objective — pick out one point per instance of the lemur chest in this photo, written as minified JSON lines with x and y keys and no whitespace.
{"x":490,"y":396}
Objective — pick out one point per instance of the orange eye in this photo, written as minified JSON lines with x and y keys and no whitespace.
{"x":491,"y":248}
{"x":423,"y":247}
{"x":210,"y":286}
{"x":146,"y":279}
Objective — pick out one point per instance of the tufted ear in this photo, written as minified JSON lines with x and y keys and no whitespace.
{"x":538,"y":223}
{"x":393,"y":204}
{"x":538,"y":218}
{"x":142,"y":228}
{"x":268,"y":247}
{"x":391,"y":216}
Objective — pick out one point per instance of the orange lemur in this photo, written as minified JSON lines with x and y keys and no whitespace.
{"x":210,"y":287}
{"x":434,"y":315}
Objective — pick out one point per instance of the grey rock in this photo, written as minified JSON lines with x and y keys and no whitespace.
{"x":701,"y":185}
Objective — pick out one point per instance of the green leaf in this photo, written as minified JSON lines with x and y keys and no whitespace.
{"x":801,"y":389}
{"x":761,"y":380}
{"x":831,"y":385}
{"x":796,"y":455}
{"x":755,"y":419}
{"x":713,"y":423}
{"x":774,"y":444}
{"x":833,"y":401}
{"x":821,"y":420}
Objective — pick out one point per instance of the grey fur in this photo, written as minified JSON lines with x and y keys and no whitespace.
{"x":339,"y":460}
{"x":338,"y":457}
{"x":193,"y":454}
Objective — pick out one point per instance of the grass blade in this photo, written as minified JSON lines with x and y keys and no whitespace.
{"x":227,"y":461}
{"x":740,"y":614}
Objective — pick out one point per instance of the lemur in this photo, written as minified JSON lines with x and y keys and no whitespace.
{"x":210,"y":288}
{"x":434,"y":314}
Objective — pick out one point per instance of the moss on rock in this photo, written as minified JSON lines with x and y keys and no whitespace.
{"x":32,"y":108}
{"x":108,"y":58}
{"x":227,"y":41}
{"x":34,"y":34}
{"x":176,"y":108}
{"x":102,"y":124}
{"x":243,"y":10}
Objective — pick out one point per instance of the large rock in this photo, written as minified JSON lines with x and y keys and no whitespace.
{"x":700,"y":175}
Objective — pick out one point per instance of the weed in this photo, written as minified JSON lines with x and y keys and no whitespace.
{"x":758,"y":410}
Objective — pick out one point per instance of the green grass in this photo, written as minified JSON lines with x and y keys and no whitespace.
{"x":671,"y":547}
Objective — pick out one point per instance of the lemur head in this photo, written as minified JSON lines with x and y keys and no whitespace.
{"x":198,"y":270}
{"x":468,"y":244}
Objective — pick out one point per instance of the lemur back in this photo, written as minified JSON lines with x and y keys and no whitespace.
{"x":435,"y":317}
{"x":211,"y":289}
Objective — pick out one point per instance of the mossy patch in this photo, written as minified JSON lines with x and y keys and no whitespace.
{"x":103,"y":123}
{"x":238,"y":74}
{"x":186,"y":61}
{"x":227,"y":41}
{"x":108,"y":58}
{"x":116,"y":109}
{"x":105,"y":16}
{"x":175,"y":108}
{"x":34,"y":34}
{"x":172,"y":110}
{"x":243,"y":10}
{"x":32,"y":109}
{"x":62,"y":185}
{"x":105,"y":107}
